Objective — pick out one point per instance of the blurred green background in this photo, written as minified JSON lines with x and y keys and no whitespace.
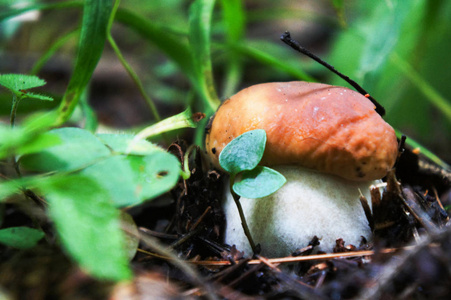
{"x":397,"y":50}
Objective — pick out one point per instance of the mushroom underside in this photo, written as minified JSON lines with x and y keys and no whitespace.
{"x":309,"y":204}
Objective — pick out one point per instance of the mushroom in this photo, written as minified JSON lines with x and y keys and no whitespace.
{"x":328,"y":142}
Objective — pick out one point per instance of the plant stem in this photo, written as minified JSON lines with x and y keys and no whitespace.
{"x":186,"y":173}
{"x":12,"y":120}
{"x":236,"y":198}
{"x":126,"y":66}
{"x":52,"y":50}
{"x":12,"y":117}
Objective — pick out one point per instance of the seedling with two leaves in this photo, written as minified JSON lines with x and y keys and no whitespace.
{"x":240,"y":158}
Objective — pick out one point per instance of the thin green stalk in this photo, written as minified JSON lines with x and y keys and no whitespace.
{"x":236,"y":198}
{"x":186,"y":172}
{"x":126,"y":66}
{"x":12,"y":117}
{"x":232,"y":78}
{"x":112,"y":15}
{"x":200,"y":16}
{"x":185,"y":119}
{"x":52,"y":50}
{"x":234,"y":19}
{"x":134,"y":77}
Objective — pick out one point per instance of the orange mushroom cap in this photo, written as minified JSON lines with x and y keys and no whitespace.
{"x":328,"y":128}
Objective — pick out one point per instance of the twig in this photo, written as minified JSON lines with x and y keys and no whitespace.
{"x":185,"y":267}
{"x":158,"y":234}
{"x":291,"y":259}
{"x":184,"y":238}
{"x":303,"y":289}
{"x":394,"y":266}
{"x":286,"y":38}
{"x":199,"y":220}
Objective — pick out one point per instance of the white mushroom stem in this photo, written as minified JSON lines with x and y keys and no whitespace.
{"x":309,"y":204}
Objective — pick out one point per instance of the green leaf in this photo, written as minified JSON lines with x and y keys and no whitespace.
{"x":155,"y":174}
{"x":131,"y":234}
{"x":8,"y":188}
{"x":25,"y":139}
{"x":234,"y":23}
{"x":79,"y":148}
{"x":200,"y":15}
{"x":259,"y":182}
{"x":38,"y":143}
{"x":234,"y":18}
{"x":88,"y":226}
{"x":36,"y":97}
{"x":91,"y":122}
{"x":377,"y":47}
{"x":18,"y":82}
{"x":125,"y":144}
{"x":20,"y":237}
{"x":244,"y":152}
{"x":11,"y":138}
{"x":92,"y":39}
{"x":115,"y":175}
{"x":11,"y":187}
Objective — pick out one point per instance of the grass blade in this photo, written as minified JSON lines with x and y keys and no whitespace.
{"x":199,"y":37}
{"x":52,"y":50}
{"x":91,"y":43}
{"x":234,"y":25}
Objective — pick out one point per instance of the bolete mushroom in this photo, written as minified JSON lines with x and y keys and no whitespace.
{"x":328,"y":142}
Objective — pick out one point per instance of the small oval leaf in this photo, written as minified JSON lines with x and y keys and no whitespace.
{"x":20,"y":237}
{"x":244,"y":152}
{"x":259,"y":182}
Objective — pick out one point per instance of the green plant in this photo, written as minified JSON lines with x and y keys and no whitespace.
{"x":86,"y":177}
{"x":20,"y":237}
{"x":83,"y":177}
{"x":240,"y":158}
{"x":18,"y":85}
